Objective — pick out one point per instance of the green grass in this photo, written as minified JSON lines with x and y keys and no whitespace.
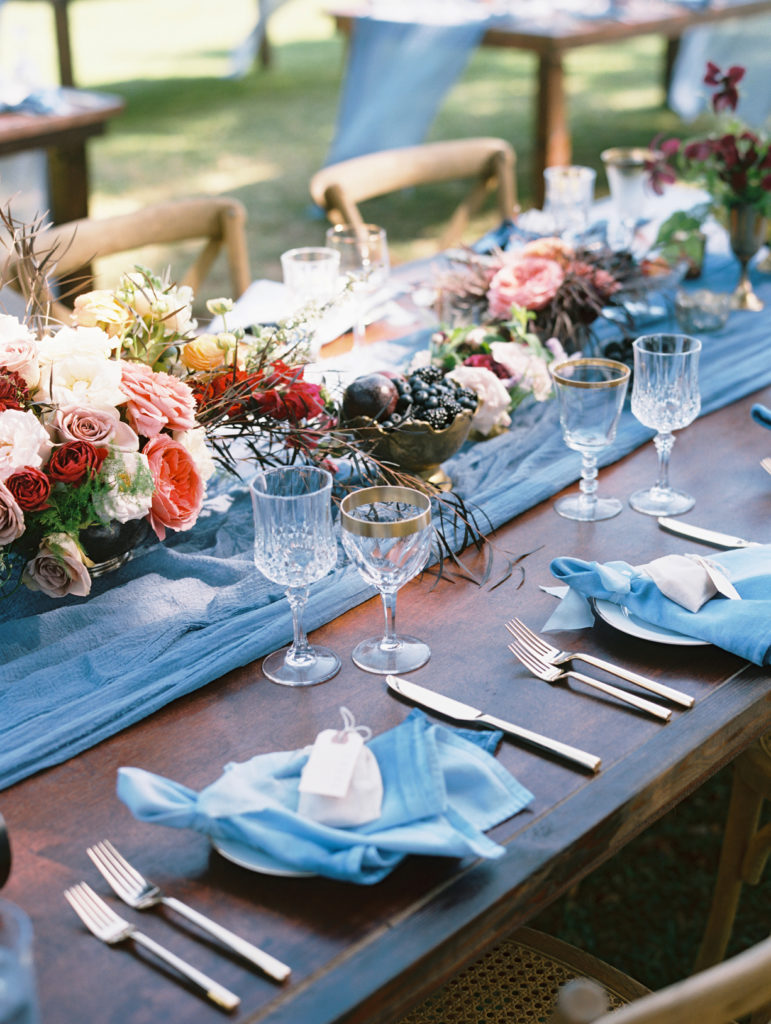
{"x":188,"y":130}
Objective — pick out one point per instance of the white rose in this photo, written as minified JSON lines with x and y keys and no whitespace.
{"x":71,"y":341}
{"x":195,"y":442}
{"x":81,"y":378}
{"x":19,"y":350}
{"x":131,"y":487}
{"x":24,"y":441}
{"x":58,"y":568}
{"x":492,"y":411}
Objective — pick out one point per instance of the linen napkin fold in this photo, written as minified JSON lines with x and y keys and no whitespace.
{"x":442,"y":788}
{"x":743,"y":627}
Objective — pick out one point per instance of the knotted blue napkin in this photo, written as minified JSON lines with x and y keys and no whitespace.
{"x":762,"y":415}
{"x":743,"y":627}
{"x":442,"y":788}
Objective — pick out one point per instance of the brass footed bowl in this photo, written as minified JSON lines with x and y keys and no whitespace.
{"x":415,"y":447}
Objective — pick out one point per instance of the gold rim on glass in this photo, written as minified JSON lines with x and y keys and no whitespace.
{"x":621,"y":368}
{"x":372,"y":495}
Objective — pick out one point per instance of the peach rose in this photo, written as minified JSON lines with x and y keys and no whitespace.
{"x":530,"y":282}
{"x":100,"y":309}
{"x":207,"y":351}
{"x":156,"y":401}
{"x":179,"y":488}
{"x":549,"y":249}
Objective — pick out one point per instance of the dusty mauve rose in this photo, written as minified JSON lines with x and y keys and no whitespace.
{"x":530,"y":282}
{"x":98,"y":426}
{"x":30,"y":487}
{"x":178,"y":485}
{"x":74,"y":461}
{"x":58,"y":569}
{"x":11,"y":517}
{"x":156,"y":400}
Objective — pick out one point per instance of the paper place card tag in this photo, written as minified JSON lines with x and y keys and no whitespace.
{"x":331,"y":763}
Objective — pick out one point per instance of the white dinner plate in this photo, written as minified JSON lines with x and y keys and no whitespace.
{"x":255,"y":860}
{"x":622,"y":619}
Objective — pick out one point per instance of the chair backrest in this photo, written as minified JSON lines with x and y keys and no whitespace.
{"x":218,"y":222}
{"x":739,"y":986}
{"x":488,"y":162}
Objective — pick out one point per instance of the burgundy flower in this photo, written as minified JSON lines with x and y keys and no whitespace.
{"x":30,"y":487}
{"x":727,"y":96}
{"x":701,"y":149}
{"x":765,"y":183}
{"x":14,"y":393}
{"x":74,"y":461}
{"x":485,"y":360}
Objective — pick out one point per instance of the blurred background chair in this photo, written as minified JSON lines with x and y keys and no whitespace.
{"x":489,"y":163}
{"x":520,"y":981}
{"x":218,"y":222}
{"x":745,"y":849}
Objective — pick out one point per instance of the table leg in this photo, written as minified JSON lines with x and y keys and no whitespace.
{"x":68,"y":192}
{"x":552,"y":135}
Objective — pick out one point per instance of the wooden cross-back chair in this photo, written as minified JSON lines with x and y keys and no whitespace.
{"x":217,"y":222}
{"x":488,"y":162}
{"x":520,"y":981}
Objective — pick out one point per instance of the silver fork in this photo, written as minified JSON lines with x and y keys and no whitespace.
{"x":551,"y":674}
{"x":554,"y":656}
{"x":766,"y":463}
{"x":140,"y":893}
{"x":108,"y":926}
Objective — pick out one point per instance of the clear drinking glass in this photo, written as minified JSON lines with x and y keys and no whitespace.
{"x":591,"y":394}
{"x":627,"y":174}
{"x":18,"y":996}
{"x":568,"y":197}
{"x":665,"y":396}
{"x":311,"y":274}
{"x":294,"y":545}
{"x":387,"y":535}
{"x":364,"y":261}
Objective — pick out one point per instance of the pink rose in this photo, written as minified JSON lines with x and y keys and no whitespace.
{"x":178,"y":494}
{"x":11,"y":517}
{"x":529,"y":281}
{"x":58,"y":568}
{"x":19,"y":350}
{"x":97,"y":426}
{"x":156,"y":401}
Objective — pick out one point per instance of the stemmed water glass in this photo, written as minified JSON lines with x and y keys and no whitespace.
{"x":590,"y":393}
{"x":364,"y":261}
{"x":387,"y":535}
{"x":665,"y":396}
{"x":626,"y":170}
{"x":295,"y":545}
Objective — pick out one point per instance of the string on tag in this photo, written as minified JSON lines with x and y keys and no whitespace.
{"x":350,"y":726}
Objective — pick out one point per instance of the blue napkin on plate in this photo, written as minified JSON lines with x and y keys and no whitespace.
{"x":442,"y":788}
{"x":743,"y":627}
{"x":761,"y":414}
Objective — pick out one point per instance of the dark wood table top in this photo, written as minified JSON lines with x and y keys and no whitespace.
{"x":83,"y":114}
{"x":368,"y":953}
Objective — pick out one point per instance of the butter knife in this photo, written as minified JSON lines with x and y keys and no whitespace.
{"x":713,"y":537}
{"x":460,"y":712}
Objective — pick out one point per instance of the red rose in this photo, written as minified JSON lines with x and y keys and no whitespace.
{"x":74,"y":461}
{"x":30,"y":487}
{"x":14,"y":393}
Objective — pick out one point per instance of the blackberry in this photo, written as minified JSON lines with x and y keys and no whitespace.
{"x":428,"y":374}
{"x":451,"y":408}
{"x":436,"y":418}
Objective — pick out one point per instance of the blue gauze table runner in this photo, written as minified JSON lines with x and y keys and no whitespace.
{"x":75,"y":671}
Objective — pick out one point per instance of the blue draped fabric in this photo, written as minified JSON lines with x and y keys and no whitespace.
{"x":180,"y":615}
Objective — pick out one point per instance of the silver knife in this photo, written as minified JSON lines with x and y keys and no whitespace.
{"x":713,"y":537}
{"x":461,"y":712}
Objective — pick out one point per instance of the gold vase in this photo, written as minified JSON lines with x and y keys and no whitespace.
{"x":747,"y":231}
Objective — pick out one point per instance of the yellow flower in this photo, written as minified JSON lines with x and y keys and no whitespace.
{"x":208,"y":351}
{"x":100,"y":309}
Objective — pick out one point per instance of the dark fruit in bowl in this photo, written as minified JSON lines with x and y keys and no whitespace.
{"x":374,"y":396}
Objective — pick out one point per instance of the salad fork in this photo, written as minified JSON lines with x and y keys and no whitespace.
{"x":766,"y":463}
{"x":551,"y":674}
{"x":554,"y":656}
{"x":134,"y":889}
{"x":109,"y":927}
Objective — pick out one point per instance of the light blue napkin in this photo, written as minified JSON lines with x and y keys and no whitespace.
{"x":761,"y":414}
{"x":442,"y":788}
{"x":743,"y":627}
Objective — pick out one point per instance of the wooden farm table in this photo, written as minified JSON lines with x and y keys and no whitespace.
{"x":551,"y":38}
{"x":366,"y":954}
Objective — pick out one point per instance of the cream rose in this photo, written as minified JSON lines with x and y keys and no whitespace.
{"x":58,"y":568}
{"x":24,"y":441}
{"x":492,"y":412}
{"x":130,"y":483}
{"x":101,"y":309}
{"x":76,"y":369}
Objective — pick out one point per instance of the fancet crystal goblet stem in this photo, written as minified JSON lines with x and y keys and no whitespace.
{"x":665,"y":397}
{"x":387,"y":535}
{"x":747,"y":229}
{"x":294,"y":546}
{"x":364,"y":261}
{"x":590,"y":393}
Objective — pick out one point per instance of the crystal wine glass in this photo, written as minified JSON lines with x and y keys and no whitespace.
{"x":665,"y":396}
{"x":569,"y":193}
{"x":590,"y":393}
{"x":364,"y":260}
{"x":295,"y":545}
{"x":626,"y":171}
{"x":387,"y":535}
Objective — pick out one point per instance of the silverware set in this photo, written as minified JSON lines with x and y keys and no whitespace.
{"x":543,"y":660}
{"x":138,"y":892}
